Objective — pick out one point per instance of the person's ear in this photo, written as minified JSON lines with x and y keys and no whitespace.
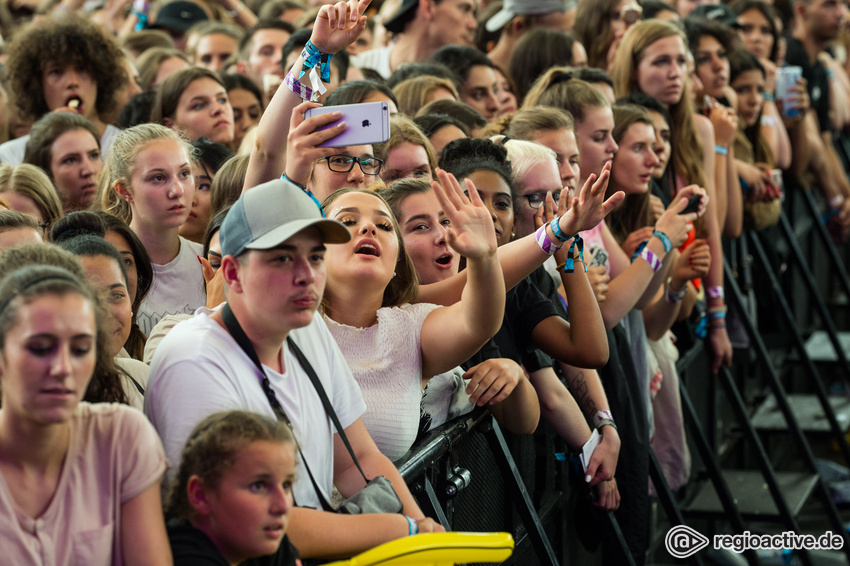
{"x":517,"y":26}
{"x":197,"y":495}
{"x":231,"y":272}
{"x":123,"y":191}
{"x":426,"y":8}
{"x":168,"y":122}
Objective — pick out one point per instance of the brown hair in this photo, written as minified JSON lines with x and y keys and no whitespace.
{"x":171,"y":89}
{"x":402,"y":288}
{"x":412,"y":94}
{"x":212,"y":449}
{"x":557,"y":88}
{"x":403,"y":130}
{"x":30,"y":181}
{"x":39,"y":148}
{"x":151,"y":60}
{"x":593,"y":29}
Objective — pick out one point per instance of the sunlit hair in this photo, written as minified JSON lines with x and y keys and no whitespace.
{"x":523,"y":125}
{"x":227,"y":183}
{"x":35,"y":270}
{"x":402,"y":288}
{"x":412,"y":94}
{"x":30,"y":181}
{"x":120,"y":164}
{"x":213,"y":447}
{"x":526,"y":156}
{"x":12,"y":220}
{"x":687,"y":155}
{"x":635,"y":212}
{"x":557,"y":88}
{"x":403,"y":130}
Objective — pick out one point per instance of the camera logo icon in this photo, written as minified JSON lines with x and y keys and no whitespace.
{"x":682,"y":541}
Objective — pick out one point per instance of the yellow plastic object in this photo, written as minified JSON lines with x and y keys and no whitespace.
{"x":437,"y":549}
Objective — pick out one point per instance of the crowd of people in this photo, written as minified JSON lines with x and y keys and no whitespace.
{"x":216,"y":324}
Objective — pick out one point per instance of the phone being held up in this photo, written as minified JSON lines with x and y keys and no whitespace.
{"x":365,"y":123}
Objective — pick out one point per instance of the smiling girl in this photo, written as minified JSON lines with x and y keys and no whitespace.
{"x":148,"y":183}
{"x":233,"y":493}
{"x":79,"y":483}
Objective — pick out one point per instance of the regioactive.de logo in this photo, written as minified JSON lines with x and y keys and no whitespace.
{"x":682,"y":541}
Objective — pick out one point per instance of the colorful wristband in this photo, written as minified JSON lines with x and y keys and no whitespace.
{"x":556,"y":230}
{"x":547,"y":245}
{"x":569,"y":263}
{"x":715,"y":292}
{"x":414,"y":528}
{"x":664,"y":240}
{"x":602,"y":415}
{"x":300,"y":90}
{"x":768,"y":97}
{"x":650,"y":258}
{"x":721,"y":150}
{"x":675,"y":297}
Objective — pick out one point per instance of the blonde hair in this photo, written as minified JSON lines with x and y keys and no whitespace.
{"x":524,"y":124}
{"x":412,"y":94}
{"x":121,"y":163}
{"x":525,"y":156}
{"x":30,"y":181}
{"x":557,"y":88}
{"x":688,"y":151}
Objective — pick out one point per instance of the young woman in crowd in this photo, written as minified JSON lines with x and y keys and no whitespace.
{"x":65,"y":146}
{"x":247,"y":102}
{"x":440,"y":129}
{"x":407,"y":152}
{"x":157,"y":64}
{"x":209,"y":158}
{"x":653,"y":59}
{"x":28,"y":189}
{"x":98,"y":466}
{"x":233,"y":493}
{"x":600,"y":27}
{"x":104,"y":269}
{"x":194,"y":102}
{"x":148,"y":183}
{"x":416,"y":92}
{"x":391,"y":345}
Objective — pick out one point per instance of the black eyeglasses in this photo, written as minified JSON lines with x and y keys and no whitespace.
{"x":537,"y":198}
{"x":345,"y":163}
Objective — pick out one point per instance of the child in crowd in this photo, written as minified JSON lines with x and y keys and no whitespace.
{"x":233,"y":493}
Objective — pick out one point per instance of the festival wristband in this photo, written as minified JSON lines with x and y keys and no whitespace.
{"x":544,"y":242}
{"x":556,"y":230}
{"x":602,"y":415}
{"x":650,"y":258}
{"x":675,"y":297}
{"x":300,"y":90}
{"x":569,"y":263}
{"x":721,"y":150}
{"x":664,"y":240}
{"x":314,"y":58}
{"x":414,"y":528}
{"x":715,"y":292}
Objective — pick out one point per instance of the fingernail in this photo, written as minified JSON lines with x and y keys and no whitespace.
{"x":199,"y":259}
{"x":587,"y":479}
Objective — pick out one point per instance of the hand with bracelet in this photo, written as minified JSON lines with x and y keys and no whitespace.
{"x":693,"y":263}
{"x":673,"y":222}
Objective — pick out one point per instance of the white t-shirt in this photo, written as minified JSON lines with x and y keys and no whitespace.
{"x":386,"y":360}
{"x":12,"y":151}
{"x":199,"y":369}
{"x":375,"y":59}
{"x":178,"y":286}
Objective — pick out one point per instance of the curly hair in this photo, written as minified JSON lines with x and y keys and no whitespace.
{"x":465,"y":156}
{"x":65,"y":41}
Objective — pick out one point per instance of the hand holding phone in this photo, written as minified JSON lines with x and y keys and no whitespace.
{"x":366,"y":123}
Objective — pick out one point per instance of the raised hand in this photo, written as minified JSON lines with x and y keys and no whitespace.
{"x":472,"y":233}
{"x":693,"y":262}
{"x":304,"y":136}
{"x":492,"y":380}
{"x":588,"y":208}
{"x":338,"y":25}
{"x":635,"y":239}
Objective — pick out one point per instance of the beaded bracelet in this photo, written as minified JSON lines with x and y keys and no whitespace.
{"x":547,"y":245}
{"x":716,"y":316}
{"x":668,"y":245}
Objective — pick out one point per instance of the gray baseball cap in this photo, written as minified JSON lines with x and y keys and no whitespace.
{"x":513,"y":8}
{"x":269,"y":214}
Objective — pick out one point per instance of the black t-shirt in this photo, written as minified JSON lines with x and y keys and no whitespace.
{"x":191,"y":547}
{"x":525,"y":307}
{"x":818,"y":78}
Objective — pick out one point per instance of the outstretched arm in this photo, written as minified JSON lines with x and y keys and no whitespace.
{"x":335,"y":28}
{"x":452,"y":334}
{"x":519,"y":258}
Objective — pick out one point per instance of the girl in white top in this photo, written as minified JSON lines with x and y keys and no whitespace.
{"x":147,"y":182}
{"x":390,"y":344}
{"x":79,"y":483}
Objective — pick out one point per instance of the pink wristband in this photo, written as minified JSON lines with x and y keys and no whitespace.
{"x":715,"y":292}
{"x":300,"y":90}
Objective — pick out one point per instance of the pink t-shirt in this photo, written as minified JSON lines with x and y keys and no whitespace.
{"x":114,"y":455}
